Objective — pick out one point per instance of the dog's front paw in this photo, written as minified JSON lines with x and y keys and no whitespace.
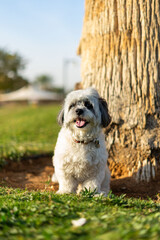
{"x":62,"y":192}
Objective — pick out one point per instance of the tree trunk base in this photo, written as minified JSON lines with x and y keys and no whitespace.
{"x":134,"y":152}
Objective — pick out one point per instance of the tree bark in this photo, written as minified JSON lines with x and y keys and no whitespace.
{"x":120,"y":51}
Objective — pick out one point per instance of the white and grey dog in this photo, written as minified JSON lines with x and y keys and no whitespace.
{"x":80,"y":157}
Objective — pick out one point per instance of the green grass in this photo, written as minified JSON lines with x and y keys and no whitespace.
{"x":45,"y":215}
{"x":39,"y":215}
{"x":27,"y":130}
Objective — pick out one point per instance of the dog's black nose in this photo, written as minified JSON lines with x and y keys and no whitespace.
{"x":79,"y":111}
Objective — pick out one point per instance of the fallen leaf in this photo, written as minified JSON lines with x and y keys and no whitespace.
{"x":79,"y":222}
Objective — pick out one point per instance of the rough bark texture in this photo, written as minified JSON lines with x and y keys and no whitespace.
{"x":120,"y":51}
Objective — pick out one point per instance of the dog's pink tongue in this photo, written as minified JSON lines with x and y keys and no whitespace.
{"x":80,"y":123}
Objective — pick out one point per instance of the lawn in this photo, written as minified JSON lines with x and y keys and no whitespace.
{"x":45,"y":215}
{"x":27,"y":130}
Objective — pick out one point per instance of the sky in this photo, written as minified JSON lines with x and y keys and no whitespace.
{"x":46,"y":33}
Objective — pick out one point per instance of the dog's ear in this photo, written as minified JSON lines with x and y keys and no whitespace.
{"x":61,"y":117}
{"x":105,"y":117}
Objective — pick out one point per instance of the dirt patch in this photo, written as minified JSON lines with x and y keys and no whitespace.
{"x":29,"y":174}
{"x":36,"y":175}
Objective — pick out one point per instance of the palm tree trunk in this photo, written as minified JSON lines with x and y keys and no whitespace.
{"x":120,"y":51}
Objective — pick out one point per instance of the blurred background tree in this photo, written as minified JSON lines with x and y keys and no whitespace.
{"x":44,"y":81}
{"x":10,"y":66}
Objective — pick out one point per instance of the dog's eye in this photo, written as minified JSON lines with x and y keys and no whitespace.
{"x":88,"y":105}
{"x":72,"y":105}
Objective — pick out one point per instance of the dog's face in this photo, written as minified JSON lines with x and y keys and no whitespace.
{"x":84,"y":110}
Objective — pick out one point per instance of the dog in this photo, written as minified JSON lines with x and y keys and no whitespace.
{"x":80,"y":157}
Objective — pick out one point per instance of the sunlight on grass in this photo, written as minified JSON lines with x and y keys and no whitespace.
{"x":28,"y":129}
{"x":46,"y":215}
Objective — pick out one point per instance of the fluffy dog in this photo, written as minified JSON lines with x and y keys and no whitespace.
{"x":80,"y":154}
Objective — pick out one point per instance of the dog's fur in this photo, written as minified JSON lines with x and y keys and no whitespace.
{"x":80,"y":153}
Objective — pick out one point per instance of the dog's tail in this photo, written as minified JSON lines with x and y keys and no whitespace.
{"x":54,"y":178}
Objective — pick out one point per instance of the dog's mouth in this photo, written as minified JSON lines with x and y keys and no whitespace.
{"x":80,"y":123}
